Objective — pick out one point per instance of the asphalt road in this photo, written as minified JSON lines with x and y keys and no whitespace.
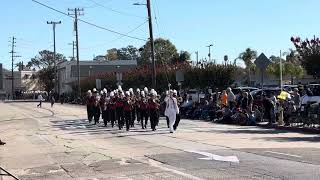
{"x":58,"y":143}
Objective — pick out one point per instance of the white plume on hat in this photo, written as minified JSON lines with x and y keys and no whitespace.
{"x":89,"y":91}
{"x":101,"y":92}
{"x":143,"y":94}
{"x":105,"y":90}
{"x":94,"y":90}
{"x":146,"y":90}
{"x":175,"y":92}
{"x":131,"y":90}
{"x":153,"y":92}
{"x":119,"y":88}
{"x":127,"y":93}
{"x":138,"y":90}
{"x":111,"y":94}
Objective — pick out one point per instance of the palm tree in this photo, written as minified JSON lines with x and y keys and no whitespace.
{"x":248,"y":56}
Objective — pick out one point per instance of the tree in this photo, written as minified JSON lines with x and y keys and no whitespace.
{"x":128,"y":53}
{"x":309,"y":54}
{"x":45,"y":59}
{"x":46,"y":77}
{"x":248,"y":56}
{"x":112,"y":54}
{"x":165,"y":52}
{"x":184,"y":56}
{"x":45,"y":63}
{"x":289,"y":68}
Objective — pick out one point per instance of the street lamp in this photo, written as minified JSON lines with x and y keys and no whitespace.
{"x":209,"y":55}
{"x":151,"y":42}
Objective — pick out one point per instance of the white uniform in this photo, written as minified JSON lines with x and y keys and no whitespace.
{"x":171,"y":111}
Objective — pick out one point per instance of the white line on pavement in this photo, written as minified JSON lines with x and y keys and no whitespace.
{"x":279,"y":153}
{"x":159,"y":165}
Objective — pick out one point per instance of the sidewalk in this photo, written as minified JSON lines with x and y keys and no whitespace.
{"x":21,"y":100}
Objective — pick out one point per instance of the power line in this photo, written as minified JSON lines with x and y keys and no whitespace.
{"x":116,"y":11}
{"x":89,"y":23}
{"x":118,"y":38}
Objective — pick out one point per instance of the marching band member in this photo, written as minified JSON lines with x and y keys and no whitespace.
{"x":127,"y":108}
{"x":153,"y":109}
{"x":165,"y":101}
{"x":172,"y":110}
{"x":136,"y":104}
{"x":133,"y":104}
{"x":96,"y":107}
{"x":119,"y":108}
{"x":103,"y":106}
{"x":112,"y":108}
{"x":89,"y":105}
{"x":179,"y":102}
{"x":143,"y":106}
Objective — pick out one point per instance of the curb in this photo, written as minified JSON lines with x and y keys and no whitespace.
{"x":292,"y":129}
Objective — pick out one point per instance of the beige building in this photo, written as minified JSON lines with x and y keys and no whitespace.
{"x":24,"y":80}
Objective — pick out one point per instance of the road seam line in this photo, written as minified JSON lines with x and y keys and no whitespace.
{"x":279,"y":153}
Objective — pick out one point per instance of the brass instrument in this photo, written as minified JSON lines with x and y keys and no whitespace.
{"x":179,"y":101}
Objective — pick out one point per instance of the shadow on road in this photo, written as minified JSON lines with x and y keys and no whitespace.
{"x":292,"y":139}
{"x":82,"y":126}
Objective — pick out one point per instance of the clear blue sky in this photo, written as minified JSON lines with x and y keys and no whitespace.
{"x":231,"y":25}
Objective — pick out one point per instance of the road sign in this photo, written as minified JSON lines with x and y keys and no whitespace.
{"x":119,"y":76}
{"x":179,"y":76}
{"x":225,"y":58}
{"x":262,"y":62}
{"x":98,"y":83}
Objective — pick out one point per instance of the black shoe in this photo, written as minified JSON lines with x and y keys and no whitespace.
{"x":2,"y":143}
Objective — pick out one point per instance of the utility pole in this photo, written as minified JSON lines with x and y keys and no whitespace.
{"x":197,"y":53}
{"x":12,"y":52}
{"x":153,"y":64}
{"x":209,"y":55}
{"x":77,"y":12}
{"x":281,"y":83}
{"x":73,"y":48}
{"x":56,"y":82}
{"x":152,"y":46}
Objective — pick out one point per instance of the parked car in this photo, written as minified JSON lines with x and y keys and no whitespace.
{"x":289,"y":88}
{"x":246,"y":89}
{"x":257,"y":94}
{"x":196,"y":95}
